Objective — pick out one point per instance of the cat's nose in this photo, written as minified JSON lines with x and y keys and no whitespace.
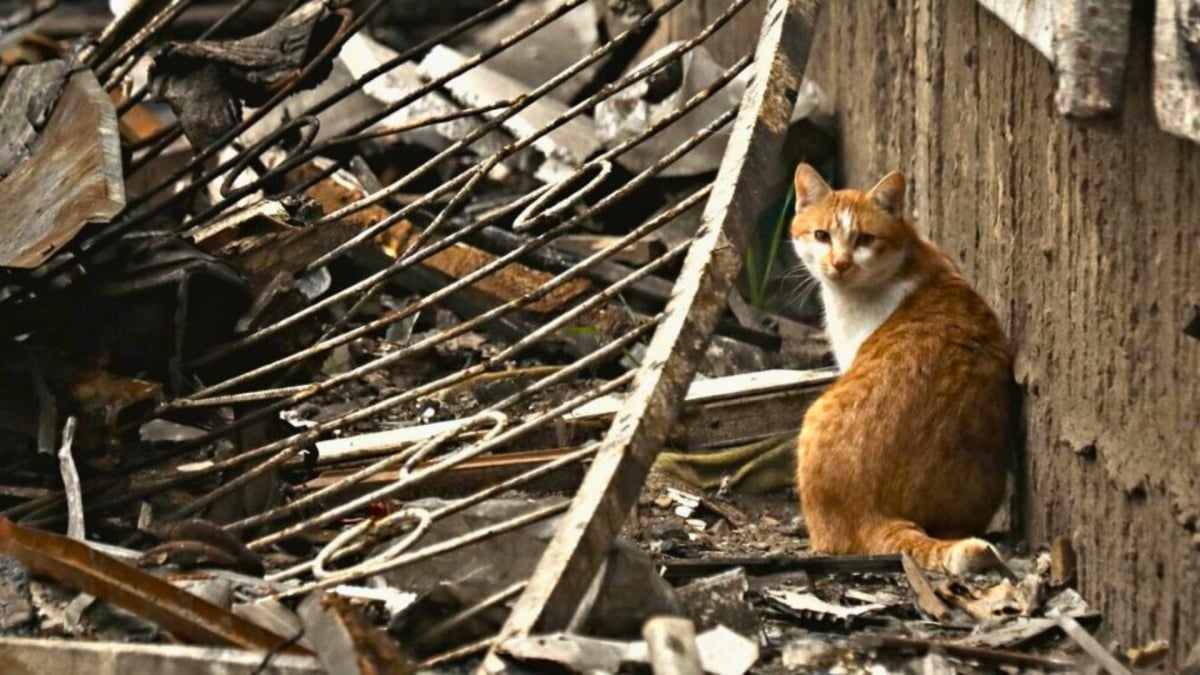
{"x":841,"y":264}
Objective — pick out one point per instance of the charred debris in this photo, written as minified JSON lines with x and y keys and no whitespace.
{"x":343,"y":337}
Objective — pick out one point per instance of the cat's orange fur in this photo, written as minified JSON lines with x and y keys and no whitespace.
{"x":908,"y":451}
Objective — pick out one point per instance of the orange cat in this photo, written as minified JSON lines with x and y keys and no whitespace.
{"x":908,"y":450}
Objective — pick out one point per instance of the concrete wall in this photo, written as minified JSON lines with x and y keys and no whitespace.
{"x":1086,"y":239}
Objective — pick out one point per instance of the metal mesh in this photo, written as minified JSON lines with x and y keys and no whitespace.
{"x":516,"y":228}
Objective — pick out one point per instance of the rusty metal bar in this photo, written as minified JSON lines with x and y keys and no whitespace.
{"x":740,"y":192}
{"x":751,"y":165}
{"x":514,"y":523}
{"x":417,"y":254}
{"x":465,"y":502}
{"x":81,"y":249}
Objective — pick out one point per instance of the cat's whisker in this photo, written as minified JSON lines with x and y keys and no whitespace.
{"x":803,"y":293}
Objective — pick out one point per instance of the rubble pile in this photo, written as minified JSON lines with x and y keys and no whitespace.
{"x":318,"y":313}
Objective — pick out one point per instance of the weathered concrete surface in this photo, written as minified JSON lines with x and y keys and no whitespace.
{"x":1086,"y":239}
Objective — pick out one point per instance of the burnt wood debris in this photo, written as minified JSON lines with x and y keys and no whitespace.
{"x":388,"y":337}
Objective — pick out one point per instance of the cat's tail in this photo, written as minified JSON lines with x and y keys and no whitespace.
{"x":951,"y":556}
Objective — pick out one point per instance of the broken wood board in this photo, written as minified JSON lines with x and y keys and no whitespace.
{"x":507,"y":283}
{"x":73,"y":178}
{"x":346,"y":642}
{"x":679,"y":569}
{"x":1176,"y":75}
{"x":725,"y":409}
{"x":234,"y":233}
{"x":740,"y":194}
{"x":981,"y":654}
{"x":1086,"y":42}
{"x":28,"y":656}
{"x":734,"y":409}
{"x":926,"y":599}
{"x":26,"y":99}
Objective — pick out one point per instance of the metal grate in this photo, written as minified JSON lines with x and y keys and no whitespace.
{"x":447,"y":203}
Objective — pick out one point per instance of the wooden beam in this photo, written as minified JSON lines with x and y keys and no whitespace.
{"x":35,"y":655}
{"x":715,"y":412}
{"x":741,"y":192}
{"x":718,"y":412}
{"x":73,"y":178}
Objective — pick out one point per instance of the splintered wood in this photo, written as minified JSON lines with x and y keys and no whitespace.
{"x":73,"y":177}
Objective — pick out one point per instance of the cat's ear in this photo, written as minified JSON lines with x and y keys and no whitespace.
{"x":888,"y":193}
{"x":810,"y":187}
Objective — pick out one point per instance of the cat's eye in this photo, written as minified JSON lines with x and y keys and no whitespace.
{"x":864,"y":239}
{"x":821,"y":236}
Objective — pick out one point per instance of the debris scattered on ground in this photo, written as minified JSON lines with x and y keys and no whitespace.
{"x":327,"y":321}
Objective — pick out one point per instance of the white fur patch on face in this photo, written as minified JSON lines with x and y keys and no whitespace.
{"x":862,"y":255}
{"x":804,"y":251}
{"x":845,"y":219}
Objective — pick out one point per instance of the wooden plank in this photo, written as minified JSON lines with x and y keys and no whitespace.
{"x":678,"y":569}
{"x":54,"y":657}
{"x":27,"y":94}
{"x":743,"y":420}
{"x":187,"y":616}
{"x":741,"y":192}
{"x":505,"y":284}
{"x":719,"y":389}
{"x":73,"y":178}
{"x":926,"y":598}
{"x":713,"y":410}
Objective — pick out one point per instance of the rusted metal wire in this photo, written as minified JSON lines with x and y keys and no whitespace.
{"x":300,"y":394}
{"x":133,"y":217}
{"x":461,"y":234}
{"x":481,"y":534}
{"x":307,"y":393}
{"x":529,"y":225}
{"x":639,"y":428}
{"x":460,"y":504}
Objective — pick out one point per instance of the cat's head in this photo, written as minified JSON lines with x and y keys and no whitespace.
{"x":849,"y":238}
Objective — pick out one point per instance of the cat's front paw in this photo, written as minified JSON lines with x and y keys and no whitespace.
{"x":972,"y":555}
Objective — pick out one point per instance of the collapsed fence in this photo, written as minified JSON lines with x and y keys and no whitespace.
{"x":474,"y":241}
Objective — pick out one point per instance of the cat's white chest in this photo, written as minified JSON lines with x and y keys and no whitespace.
{"x":851,"y":317}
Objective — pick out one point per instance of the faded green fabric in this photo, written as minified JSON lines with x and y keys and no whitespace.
{"x":756,"y":468}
